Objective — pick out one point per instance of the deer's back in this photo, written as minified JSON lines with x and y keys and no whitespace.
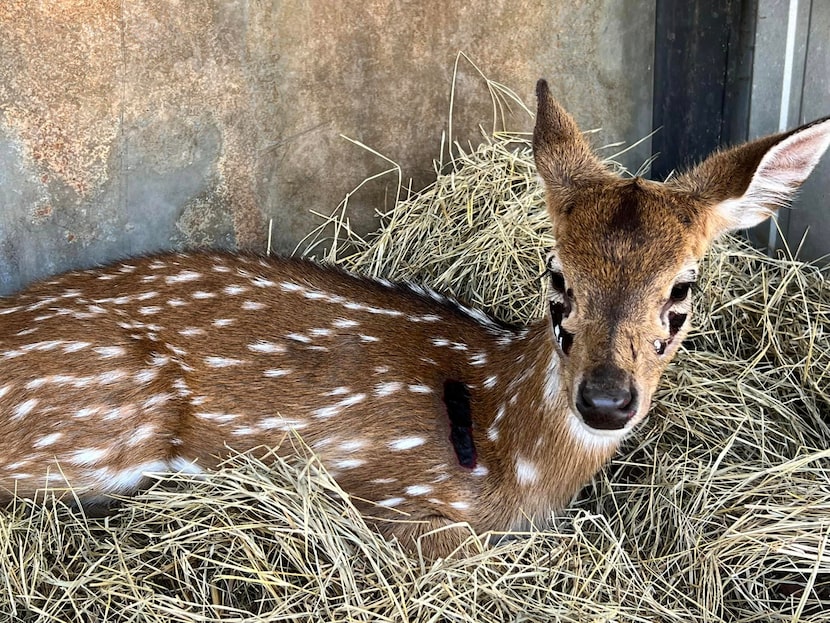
{"x":161,"y":363}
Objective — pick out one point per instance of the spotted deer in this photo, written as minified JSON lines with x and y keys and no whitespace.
{"x":434,"y":412}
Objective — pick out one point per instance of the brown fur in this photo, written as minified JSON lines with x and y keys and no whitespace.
{"x":165,"y":362}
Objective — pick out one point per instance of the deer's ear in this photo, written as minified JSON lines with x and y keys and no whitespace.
{"x":564,"y":159}
{"x":747,"y":184}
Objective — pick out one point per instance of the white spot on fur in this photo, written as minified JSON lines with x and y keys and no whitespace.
{"x":176,"y":303}
{"x":216,"y":416}
{"x":24,"y":409}
{"x":369,"y":338}
{"x":526,"y":472}
{"x":348,"y":463}
{"x":426,"y":318}
{"x":502,"y":410}
{"x":275,"y":373}
{"x":283,"y":424}
{"x":338,"y":391}
{"x":387,"y":389}
{"x":156,"y":400}
{"x":262,"y":282}
{"x":244,"y":431}
{"x":223,"y":322}
{"x":145,"y":376}
{"x":493,"y":433}
{"x":86,"y":412}
{"x":181,"y":388}
{"x":352,"y":445}
{"x":333,"y":410}
{"x":88,"y":456}
{"x":298,"y":337}
{"x":344,"y":323}
{"x":479,"y":359}
{"x":316,"y":295}
{"x":47,"y":440}
{"x":420,"y":389}
{"x":37,"y":383}
{"x":407,"y":443}
{"x":480,"y":471}
{"x":110,"y":377}
{"x":201,"y":295}
{"x":384,"y":481}
{"x":264,"y":346}
{"x":191,"y":331}
{"x":233,"y":290}
{"x":159,"y":361}
{"x":461,"y":506}
{"x":320,"y":332}
{"x":418,"y":490}
{"x":108,"y":352}
{"x":490,"y":381}
{"x":140,"y":434}
{"x":391,"y":502}
{"x":222,"y":362}
{"x":252,"y":305}
{"x":183,"y":277}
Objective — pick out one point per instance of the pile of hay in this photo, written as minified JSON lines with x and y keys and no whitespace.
{"x":717,"y":510}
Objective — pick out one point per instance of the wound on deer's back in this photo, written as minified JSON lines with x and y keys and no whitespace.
{"x":457,"y":400}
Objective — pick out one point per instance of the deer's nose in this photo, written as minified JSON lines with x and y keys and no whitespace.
{"x":606,"y":400}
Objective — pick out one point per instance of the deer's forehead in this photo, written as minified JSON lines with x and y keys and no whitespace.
{"x":628,"y":236}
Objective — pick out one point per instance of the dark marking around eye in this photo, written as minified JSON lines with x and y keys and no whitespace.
{"x":557,"y":281}
{"x":680,"y":291}
{"x":558,"y":312}
{"x":457,"y":400}
{"x":676,"y":321}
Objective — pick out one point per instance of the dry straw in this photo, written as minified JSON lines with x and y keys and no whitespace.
{"x":718,"y":509}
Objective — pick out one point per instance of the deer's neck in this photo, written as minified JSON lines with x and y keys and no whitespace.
{"x":543,"y":451}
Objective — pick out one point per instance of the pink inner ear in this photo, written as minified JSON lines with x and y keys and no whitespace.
{"x":782,"y":169}
{"x":791,"y":161}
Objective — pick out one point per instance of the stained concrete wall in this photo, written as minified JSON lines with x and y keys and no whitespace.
{"x":129,"y":127}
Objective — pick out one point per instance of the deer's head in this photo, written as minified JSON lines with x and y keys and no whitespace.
{"x":627,"y":250}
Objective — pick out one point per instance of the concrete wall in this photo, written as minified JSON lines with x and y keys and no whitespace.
{"x":785,"y":95}
{"x":128,"y":127}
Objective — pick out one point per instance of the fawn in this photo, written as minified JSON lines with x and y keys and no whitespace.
{"x":412,"y":401}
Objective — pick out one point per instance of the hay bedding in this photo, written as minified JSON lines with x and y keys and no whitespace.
{"x":718,"y":509}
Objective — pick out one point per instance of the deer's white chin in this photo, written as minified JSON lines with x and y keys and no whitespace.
{"x":599,"y":439}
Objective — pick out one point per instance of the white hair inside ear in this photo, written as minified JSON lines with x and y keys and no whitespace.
{"x":779,"y":174}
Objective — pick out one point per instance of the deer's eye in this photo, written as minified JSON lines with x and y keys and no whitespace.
{"x":557,"y":281}
{"x":680,"y":291}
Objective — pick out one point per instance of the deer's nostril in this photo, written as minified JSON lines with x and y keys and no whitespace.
{"x":605,"y":399}
{"x":606,"y":405}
